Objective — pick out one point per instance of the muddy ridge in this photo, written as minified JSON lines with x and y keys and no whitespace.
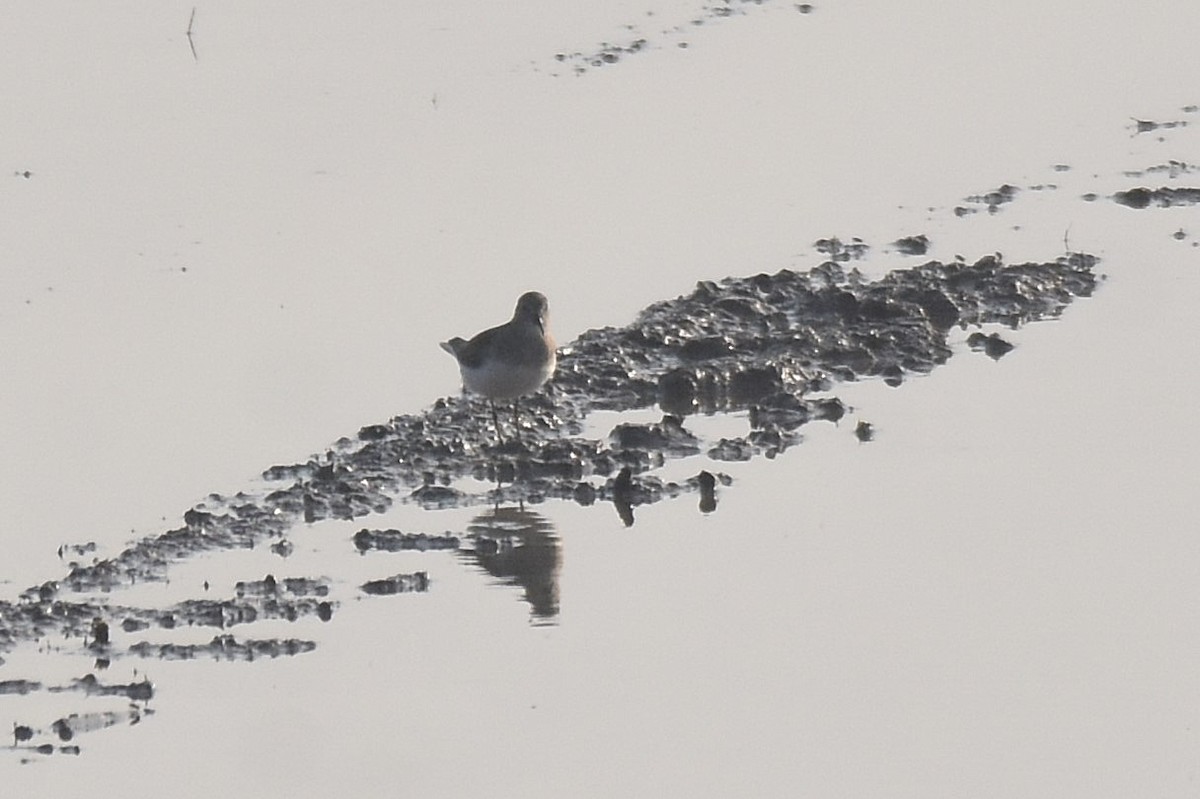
{"x":774,"y":346}
{"x":766,"y":344}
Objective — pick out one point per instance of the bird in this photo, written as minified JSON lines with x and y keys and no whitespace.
{"x":511,"y":360}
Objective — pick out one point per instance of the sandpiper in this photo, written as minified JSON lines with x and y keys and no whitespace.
{"x":509,"y":361}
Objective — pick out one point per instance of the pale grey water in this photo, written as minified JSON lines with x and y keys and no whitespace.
{"x":997,"y":596}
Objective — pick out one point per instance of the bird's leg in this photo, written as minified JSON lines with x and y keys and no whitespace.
{"x":496,"y":421}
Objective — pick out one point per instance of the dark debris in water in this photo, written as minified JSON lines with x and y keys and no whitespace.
{"x":396,"y":541}
{"x":609,"y":53}
{"x":992,"y":200}
{"x":912,"y":245}
{"x":994,"y":346}
{"x":840,"y":251}
{"x":1172,"y":169}
{"x":63,"y":731}
{"x":224,"y":647}
{"x":417,"y":582}
{"x":1164,"y":197}
{"x":1148,"y":125}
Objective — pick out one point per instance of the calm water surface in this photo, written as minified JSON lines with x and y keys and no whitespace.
{"x":224,"y":263}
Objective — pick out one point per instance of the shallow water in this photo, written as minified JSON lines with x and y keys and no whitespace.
{"x":995,"y":594}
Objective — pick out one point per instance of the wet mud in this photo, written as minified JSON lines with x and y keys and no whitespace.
{"x":641,"y":37}
{"x":1163,"y":197}
{"x":991,"y":201}
{"x":772,"y":346}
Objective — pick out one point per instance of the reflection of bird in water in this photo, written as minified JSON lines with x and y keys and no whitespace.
{"x":520,"y":547}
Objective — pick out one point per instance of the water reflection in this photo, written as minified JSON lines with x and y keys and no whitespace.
{"x":520,"y":547}
{"x":627,"y":493}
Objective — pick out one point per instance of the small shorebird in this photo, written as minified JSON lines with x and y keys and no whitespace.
{"x":509,"y":361}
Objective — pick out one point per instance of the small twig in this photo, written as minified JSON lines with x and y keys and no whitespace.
{"x":192,"y":44}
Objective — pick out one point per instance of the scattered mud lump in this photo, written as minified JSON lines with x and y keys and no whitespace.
{"x":864,"y":431}
{"x":732,"y":449}
{"x":1146,"y":125}
{"x":417,"y":582}
{"x":224,"y":647}
{"x":993,"y":346}
{"x":99,"y":632}
{"x":992,"y":199}
{"x":142,"y":691}
{"x":1172,"y":168}
{"x":912,"y":245}
{"x":396,"y":541}
{"x":436,"y":496}
{"x":270,"y":586}
{"x":62,"y":728}
{"x":840,"y":251}
{"x":667,"y":436}
{"x":21,"y":687}
{"x":1164,"y":197}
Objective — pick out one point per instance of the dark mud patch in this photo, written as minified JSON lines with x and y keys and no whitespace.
{"x":992,"y":200}
{"x":395,"y":541}
{"x":1171,"y":170}
{"x":224,"y":647}
{"x":417,"y":582}
{"x":842,"y":251}
{"x":604,"y":55}
{"x":912,"y":245}
{"x":1149,"y":126}
{"x":639,"y":39}
{"x":1164,"y":197}
{"x":993,"y":346}
{"x":60,"y":735}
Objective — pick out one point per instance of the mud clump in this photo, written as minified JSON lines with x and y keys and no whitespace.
{"x":417,"y":582}
{"x":1164,"y":197}
{"x":396,"y":541}
{"x":992,"y":200}
{"x":993,"y":346}
{"x":912,"y":245}
{"x":224,"y":647}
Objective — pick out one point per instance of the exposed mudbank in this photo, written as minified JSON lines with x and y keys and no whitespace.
{"x":767,"y":344}
{"x":1163,"y":197}
{"x":774,"y":346}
